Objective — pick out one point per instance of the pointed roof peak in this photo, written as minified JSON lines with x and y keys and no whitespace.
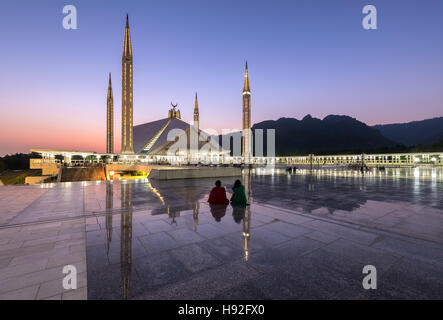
{"x":246,"y":87}
{"x":196,"y":104}
{"x":127,"y":49}
{"x":109,"y":87}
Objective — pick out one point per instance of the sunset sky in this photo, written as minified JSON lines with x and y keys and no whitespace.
{"x":304,"y":57}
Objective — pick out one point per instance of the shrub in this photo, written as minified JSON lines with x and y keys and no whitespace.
{"x":20,"y":179}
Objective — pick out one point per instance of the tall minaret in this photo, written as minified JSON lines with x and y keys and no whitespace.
{"x":127,"y":142}
{"x":246,"y":137}
{"x":196,"y":122}
{"x":110,"y":119}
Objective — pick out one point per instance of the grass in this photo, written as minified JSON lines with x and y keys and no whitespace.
{"x":9,"y":177}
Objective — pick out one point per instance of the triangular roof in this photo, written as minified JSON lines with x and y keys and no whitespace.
{"x":203,"y":141}
{"x":152,"y":137}
{"x":144,"y":132}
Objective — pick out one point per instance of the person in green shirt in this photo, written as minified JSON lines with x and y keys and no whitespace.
{"x":238,"y":194}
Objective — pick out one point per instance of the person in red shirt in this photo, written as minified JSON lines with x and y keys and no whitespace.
{"x":218,"y":194}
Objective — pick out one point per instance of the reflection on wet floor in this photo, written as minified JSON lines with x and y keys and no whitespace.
{"x":328,"y":190}
{"x":347,"y":190}
{"x":240,"y":215}
{"x":164,"y":233}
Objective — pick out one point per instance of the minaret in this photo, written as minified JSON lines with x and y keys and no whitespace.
{"x":246,"y":137}
{"x":196,"y":115}
{"x":127,"y":141}
{"x":110,"y":119}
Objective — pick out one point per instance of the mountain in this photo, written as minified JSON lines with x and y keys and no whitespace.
{"x":311,"y":135}
{"x":333,"y":133}
{"x":412,"y":133}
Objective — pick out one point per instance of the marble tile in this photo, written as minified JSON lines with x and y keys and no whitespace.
{"x":305,"y":237}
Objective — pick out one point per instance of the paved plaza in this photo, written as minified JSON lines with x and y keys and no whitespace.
{"x":305,"y":236}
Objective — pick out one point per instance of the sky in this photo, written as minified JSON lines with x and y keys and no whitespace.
{"x":304,"y":57}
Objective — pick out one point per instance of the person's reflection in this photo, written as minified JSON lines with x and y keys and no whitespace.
{"x":126,"y":237}
{"x":238,"y":212}
{"x":218,"y":211}
{"x":109,"y":206}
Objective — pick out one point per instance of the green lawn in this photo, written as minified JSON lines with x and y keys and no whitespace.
{"x":17,"y":176}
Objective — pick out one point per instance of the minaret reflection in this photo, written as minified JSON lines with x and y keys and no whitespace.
{"x":247,"y":218}
{"x":195,"y":215}
{"x":126,"y":237}
{"x":173,"y":213}
{"x":109,"y":206}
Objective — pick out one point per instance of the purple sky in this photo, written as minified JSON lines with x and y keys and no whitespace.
{"x":307,"y":56}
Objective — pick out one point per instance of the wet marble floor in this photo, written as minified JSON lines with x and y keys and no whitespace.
{"x":305,"y":236}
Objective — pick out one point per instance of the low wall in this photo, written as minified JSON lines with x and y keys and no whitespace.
{"x":83,"y":174}
{"x":35,"y":179}
{"x":194,"y":173}
{"x":50,"y":169}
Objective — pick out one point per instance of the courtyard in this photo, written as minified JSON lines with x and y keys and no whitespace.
{"x":306,"y":235}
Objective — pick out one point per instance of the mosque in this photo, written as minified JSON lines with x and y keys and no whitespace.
{"x":168,"y":140}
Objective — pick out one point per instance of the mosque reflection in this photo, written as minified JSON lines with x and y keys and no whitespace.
{"x":134,"y":209}
{"x":240,"y":214}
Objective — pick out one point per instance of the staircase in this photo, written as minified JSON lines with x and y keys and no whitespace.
{"x":155,"y":138}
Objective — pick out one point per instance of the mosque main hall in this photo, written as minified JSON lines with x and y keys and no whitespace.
{"x":157,"y":141}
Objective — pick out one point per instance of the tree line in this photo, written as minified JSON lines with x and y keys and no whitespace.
{"x":18,"y":161}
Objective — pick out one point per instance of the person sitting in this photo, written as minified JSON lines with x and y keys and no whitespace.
{"x":218,"y":194}
{"x":238,"y":194}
